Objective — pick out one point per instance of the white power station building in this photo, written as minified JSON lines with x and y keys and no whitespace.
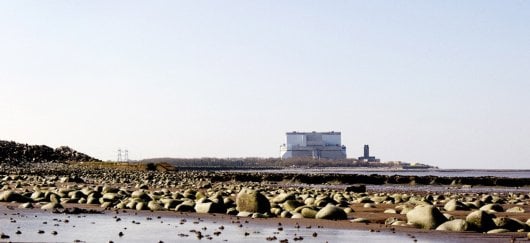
{"x":316,"y":145}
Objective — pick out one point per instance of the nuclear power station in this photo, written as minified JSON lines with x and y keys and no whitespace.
{"x":316,"y":145}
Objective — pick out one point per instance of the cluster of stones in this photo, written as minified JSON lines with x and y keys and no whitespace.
{"x":54,"y":192}
{"x":189,"y":192}
{"x":482,"y":213}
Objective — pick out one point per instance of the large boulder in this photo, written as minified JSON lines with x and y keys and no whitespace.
{"x":154,"y":206}
{"x":141,"y":194}
{"x":170,"y":203}
{"x":209,"y":207}
{"x":109,"y":197}
{"x":454,"y":205}
{"x":291,"y":205}
{"x":186,"y":206}
{"x":36,"y":196}
{"x":282,"y":197}
{"x":426,"y":217}
{"x":480,"y":221}
{"x":308,"y":213}
{"x":492,"y":207}
{"x":331,"y":212}
{"x":456,"y":225}
{"x":516,"y":209}
{"x":11,"y":196}
{"x":140,"y":206}
{"x":77,"y":194}
{"x":250,"y":200}
{"x":510,"y":224}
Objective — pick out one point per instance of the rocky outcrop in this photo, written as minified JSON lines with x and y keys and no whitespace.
{"x":16,"y":153}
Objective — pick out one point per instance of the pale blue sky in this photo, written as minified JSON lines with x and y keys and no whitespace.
{"x":441,"y":82}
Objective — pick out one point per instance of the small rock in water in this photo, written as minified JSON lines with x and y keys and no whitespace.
{"x":271,"y":238}
{"x":298,"y":238}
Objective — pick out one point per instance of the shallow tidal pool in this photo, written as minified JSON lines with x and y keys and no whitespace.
{"x":40,"y":226}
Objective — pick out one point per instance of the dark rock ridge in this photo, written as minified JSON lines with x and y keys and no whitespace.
{"x":358,"y":180}
{"x":16,"y":153}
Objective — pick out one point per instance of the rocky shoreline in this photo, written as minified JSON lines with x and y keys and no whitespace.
{"x":89,"y":171}
{"x":53,"y":186}
{"x":17,"y":153}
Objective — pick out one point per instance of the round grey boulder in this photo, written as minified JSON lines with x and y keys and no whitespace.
{"x":492,"y":207}
{"x":426,"y":217}
{"x":456,"y":225}
{"x":291,"y":205}
{"x":480,"y":221}
{"x":516,"y":209}
{"x":308,"y":213}
{"x":209,"y":207}
{"x":509,"y":224}
{"x":454,"y":205}
{"x":331,"y":212}
{"x":185,"y":207}
{"x":154,"y":206}
{"x":283,"y":197}
{"x":11,"y":196}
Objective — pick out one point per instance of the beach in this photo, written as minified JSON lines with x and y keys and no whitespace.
{"x":90,"y":204}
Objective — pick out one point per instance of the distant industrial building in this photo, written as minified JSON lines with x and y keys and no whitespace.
{"x":316,"y":145}
{"x":367,"y":157}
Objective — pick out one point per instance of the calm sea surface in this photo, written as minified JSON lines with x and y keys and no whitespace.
{"x":37,"y":226}
{"x":433,"y":172}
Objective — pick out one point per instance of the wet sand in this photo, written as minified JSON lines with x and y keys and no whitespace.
{"x":167,"y":226}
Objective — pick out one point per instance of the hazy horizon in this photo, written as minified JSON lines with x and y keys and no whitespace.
{"x":444,"y":83}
